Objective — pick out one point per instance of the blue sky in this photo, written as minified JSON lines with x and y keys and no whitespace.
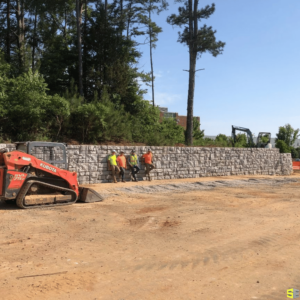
{"x":253,"y":84}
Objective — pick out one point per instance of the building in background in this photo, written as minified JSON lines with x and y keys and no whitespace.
{"x":181,"y":120}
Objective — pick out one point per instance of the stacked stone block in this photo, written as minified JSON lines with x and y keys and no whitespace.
{"x":90,"y":161}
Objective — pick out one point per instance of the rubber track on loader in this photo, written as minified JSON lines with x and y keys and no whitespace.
{"x":21,"y":196}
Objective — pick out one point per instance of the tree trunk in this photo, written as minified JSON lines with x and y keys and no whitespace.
{"x":121,"y":18}
{"x":85,"y":49}
{"x":128,"y":20}
{"x":195,"y":22}
{"x":34,"y":39}
{"x":20,"y":20}
{"x":65,"y":27}
{"x":190,"y":104}
{"x":78,"y":21}
{"x":105,"y":8}
{"x":192,"y":69}
{"x":151,"y":61}
{"x":59,"y":122}
{"x":127,"y":28}
{"x":23,"y":30}
{"x":8,"y":31}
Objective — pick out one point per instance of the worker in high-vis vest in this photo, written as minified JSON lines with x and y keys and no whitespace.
{"x":113,"y":163}
{"x":133,"y":162}
{"x":149,"y":163}
{"x":121,"y":161}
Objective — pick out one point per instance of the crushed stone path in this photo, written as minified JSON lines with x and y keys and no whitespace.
{"x":204,"y":185}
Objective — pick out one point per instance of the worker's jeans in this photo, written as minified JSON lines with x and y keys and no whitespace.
{"x":122,"y":172}
{"x":115,"y":170}
{"x":134,"y":170}
{"x":149,"y":167}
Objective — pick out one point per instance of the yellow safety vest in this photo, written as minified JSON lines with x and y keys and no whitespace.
{"x":133,"y":159}
{"x":113,"y":160}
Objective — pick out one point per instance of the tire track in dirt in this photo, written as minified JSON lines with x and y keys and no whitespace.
{"x":51,"y":286}
{"x":153,"y":223}
{"x":216,"y":256}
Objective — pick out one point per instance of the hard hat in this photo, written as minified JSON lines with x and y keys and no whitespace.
{"x":113,"y":151}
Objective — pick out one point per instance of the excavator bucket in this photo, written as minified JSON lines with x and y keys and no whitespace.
{"x":89,"y":195}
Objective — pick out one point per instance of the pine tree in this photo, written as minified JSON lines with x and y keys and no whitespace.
{"x":198,"y":41}
{"x":79,"y":7}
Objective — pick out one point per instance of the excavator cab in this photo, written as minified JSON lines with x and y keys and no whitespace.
{"x":263,"y":139}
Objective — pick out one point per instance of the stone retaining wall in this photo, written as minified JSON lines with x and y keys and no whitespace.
{"x":90,"y":162}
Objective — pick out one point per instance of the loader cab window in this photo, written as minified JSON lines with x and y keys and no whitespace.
{"x":52,"y":153}
{"x":22,"y":147}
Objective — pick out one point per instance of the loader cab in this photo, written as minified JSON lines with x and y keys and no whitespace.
{"x":52,"y":153}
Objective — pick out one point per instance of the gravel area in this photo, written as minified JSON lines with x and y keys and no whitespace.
{"x":204,"y":185}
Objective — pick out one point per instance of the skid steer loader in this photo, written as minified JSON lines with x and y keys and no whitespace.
{"x":31,"y":182}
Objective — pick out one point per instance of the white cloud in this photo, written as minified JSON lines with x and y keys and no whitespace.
{"x":159,"y":74}
{"x":166,"y":98}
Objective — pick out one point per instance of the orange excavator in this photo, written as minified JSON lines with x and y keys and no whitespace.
{"x":31,"y":182}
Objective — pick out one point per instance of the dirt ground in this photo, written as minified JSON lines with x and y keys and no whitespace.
{"x":221,"y":242}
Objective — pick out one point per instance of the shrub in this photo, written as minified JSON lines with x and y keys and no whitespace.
{"x":287,"y":134}
{"x":283,"y":147}
{"x":26,"y":107}
{"x":294,"y":152}
{"x":99,"y":122}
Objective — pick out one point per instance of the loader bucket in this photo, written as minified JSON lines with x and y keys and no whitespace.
{"x":89,"y":195}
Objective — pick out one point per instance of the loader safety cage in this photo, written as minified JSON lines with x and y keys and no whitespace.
{"x":28,"y":148}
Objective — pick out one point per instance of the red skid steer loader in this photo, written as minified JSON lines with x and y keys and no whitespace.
{"x":31,"y":182}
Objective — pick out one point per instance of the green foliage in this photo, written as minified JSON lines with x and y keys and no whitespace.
{"x":204,"y":39}
{"x":282,"y":146}
{"x":265,"y":139}
{"x":223,"y":140}
{"x":59,"y":108}
{"x":241,"y":141}
{"x":197,"y":133}
{"x":29,"y":113}
{"x":100,"y":122}
{"x":171,"y":132}
{"x":147,"y":128}
{"x":4,"y":83}
{"x":39,"y":99}
{"x":27,"y":107}
{"x":287,"y":134}
{"x":286,"y":137}
{"x":297,"y":154}
{"x":294,"y":152}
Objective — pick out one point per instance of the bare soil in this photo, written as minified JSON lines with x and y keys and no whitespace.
{"x":237,"y":240}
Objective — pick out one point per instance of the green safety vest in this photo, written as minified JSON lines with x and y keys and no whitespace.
{"x":133,"y":160}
